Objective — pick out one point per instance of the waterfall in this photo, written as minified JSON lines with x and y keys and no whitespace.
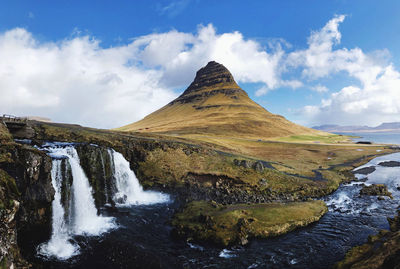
{"x":59,"y":244}
{"x":85,"y":219}
{"x":128,"y":189}
{"x":73,"y":208}
{"x":82,"y":216}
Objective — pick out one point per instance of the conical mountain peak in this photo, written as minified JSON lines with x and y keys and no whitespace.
{"x":214,"y":105}
{"x":212,"y":74}
{"x":210,"y":80}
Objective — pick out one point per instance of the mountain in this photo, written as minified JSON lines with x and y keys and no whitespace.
{"x":389,"y":126}
{"x":338,"y":128}
{"x":384,"y":127}
{"x":212,"y":105}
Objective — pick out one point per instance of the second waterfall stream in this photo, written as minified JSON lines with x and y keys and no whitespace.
{"x":73,"y":208}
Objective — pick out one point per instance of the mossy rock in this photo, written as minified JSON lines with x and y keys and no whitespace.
{"x":376,"y":190}
{"x":235,"y":224}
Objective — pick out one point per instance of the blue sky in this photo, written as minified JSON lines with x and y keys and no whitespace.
{"x":91,"y":62}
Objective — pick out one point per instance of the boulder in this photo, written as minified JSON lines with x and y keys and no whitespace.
{"x":258,"y":166}
{"x":365,"y":170}
{"x":390,"y":164}
{"x":377,"y":190}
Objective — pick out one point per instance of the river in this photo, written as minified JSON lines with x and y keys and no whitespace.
{"x":143,"y":237}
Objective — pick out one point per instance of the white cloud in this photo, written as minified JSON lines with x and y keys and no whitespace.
{"x":174,"y":8}
{"x":320,"y":88}
{"x":262,"y":91}
{"x":76,"y":80}
{"x":372,"y":101}
{"x":180,"y":55}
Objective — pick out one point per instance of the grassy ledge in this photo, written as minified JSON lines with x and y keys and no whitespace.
{"x":232,"y":224}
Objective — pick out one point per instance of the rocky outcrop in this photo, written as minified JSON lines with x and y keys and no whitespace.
{"x":390,"y":164}
{"x":26,"y":194}
{"x":236,"y":224}
{"x":376,"y":190}
{"x":97,"y":164}
{"x":31,"y":170}
{"x":213,"y":75}
{"x":365,"y":170}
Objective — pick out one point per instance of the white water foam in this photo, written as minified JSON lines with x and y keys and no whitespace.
{"x":59,"y":244}
{"x":83,"y":216}
{"x":129,"y":190}
{"x":227,"y":254}
{"x":341,"y":199}
{"x":390,"y":176}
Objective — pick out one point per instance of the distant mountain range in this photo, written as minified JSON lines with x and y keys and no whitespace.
{"x":384,"y":127}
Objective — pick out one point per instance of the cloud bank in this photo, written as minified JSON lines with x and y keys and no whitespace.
{"x":373,"y":100}
{"x":76,"y":80}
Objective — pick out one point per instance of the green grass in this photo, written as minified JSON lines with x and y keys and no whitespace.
{"x":8,"y":190}
{"x":166,"y":163}
{"x":329,"y":139}
{"x":3,"y":263}
{"x":5,"y":135}
{"x":225,"y":225}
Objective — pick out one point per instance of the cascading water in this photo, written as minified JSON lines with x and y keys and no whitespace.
{"x":128,"y":189}
{"x":59,"y":244}
{"x":82,"y":216}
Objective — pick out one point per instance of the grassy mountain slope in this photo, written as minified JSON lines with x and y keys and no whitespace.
{"x":214,"y":105}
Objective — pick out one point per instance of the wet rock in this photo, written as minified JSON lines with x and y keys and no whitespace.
{"x":243,"y":236}
{"x":394,"y":223}
{"x":365,"y":170}
{"x":377,"y":190}
{"x":364,"y":142}
{"x":97,"y":164}
{"x":26,"y":194}
{"x":390,"y":164}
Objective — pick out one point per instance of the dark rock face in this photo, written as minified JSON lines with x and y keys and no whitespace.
{"x":213,"y":73}
{"x":66,"y":185}
{"x":390,"y":164}
{"x":226,"y":190}
{"x":32,"y":173}
{"x":97,"y":164}
{"x":26,"y":201}
{"x":364,"y":142}
{"x":211,"y":76}
{"x":376,"y":189}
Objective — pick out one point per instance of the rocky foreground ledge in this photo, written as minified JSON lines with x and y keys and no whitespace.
{"x":381,"y":250}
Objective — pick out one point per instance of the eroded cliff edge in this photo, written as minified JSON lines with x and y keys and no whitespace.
{"x":26,"y":194}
